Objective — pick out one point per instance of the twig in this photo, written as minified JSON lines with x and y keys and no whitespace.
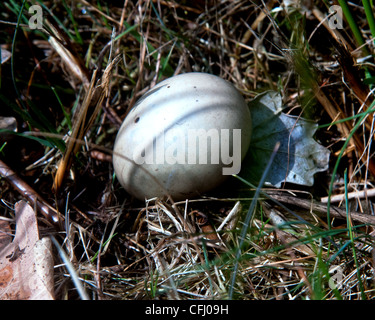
{"x":355,"y":194}
{"x":30,"y":194}
{"x":322,"y":208}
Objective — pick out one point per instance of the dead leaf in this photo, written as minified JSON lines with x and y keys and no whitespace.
{"x":8,"y":123}
{"x":5,"y":234}
{"x":299,"y":156}
{"x":26,"y":264}
{"x":5,"y":55}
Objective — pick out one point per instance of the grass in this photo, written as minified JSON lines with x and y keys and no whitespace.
{"x":115,"y":247}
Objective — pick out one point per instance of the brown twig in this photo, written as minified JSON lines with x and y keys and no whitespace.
{"x":351,"y":195}
{"x":315,"y":206}
{"x":52,"y":215}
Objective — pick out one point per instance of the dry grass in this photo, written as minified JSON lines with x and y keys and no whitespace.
{"x":124,"y":249}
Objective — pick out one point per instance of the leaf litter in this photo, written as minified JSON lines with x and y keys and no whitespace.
{"x":299,"y":156}
{"x":26,"y":263}
{"x":159,"y":249}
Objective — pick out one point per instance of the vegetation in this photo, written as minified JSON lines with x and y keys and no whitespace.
{"x":70,"y":83}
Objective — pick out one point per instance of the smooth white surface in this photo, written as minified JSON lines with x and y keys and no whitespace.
{"x":190,"y":101}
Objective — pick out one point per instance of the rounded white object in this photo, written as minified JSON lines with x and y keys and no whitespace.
{"x":184,"y":137}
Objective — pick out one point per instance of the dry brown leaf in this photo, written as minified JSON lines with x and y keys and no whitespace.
{"x":26,"y":264}
{"x":5,"y":234}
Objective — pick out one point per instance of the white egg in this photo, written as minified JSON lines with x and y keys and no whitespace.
{"x":184,"y":137}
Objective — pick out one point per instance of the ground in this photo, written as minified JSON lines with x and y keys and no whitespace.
{"x":317,"y":55}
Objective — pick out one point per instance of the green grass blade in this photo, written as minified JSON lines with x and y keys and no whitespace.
{"x":66,"y":115}
{"x":350,"y":231}
{"x":358,"y":115}
{"x":355,"y":128}
{"x":60,"y":23}
{"x":78,"y":37}
{"x":13,"y":51}
{"x":246,"y":224}
{"x":369,"y":16}
{"x":127,"y":30}
{"x":353,"y":25}
{"x":164,"y":61}
{"x":77,"y":282}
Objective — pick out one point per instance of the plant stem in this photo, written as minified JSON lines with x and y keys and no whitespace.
{"x":369,"y":16}
{"x":248,"y":219}
{"x":355,"y":128}
{"x":350,"y":231}
{"x":353,"y":25}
